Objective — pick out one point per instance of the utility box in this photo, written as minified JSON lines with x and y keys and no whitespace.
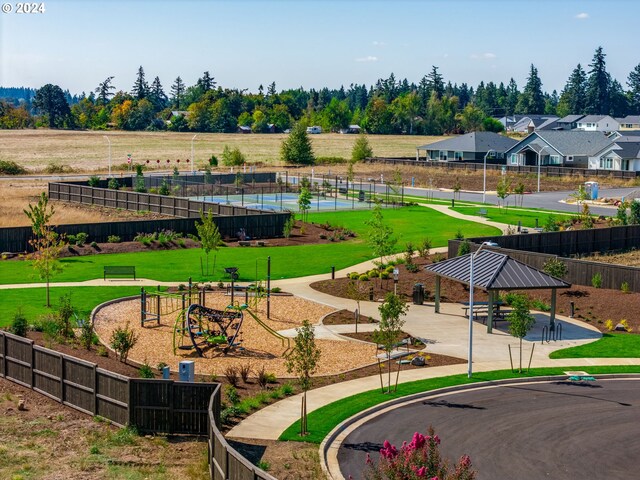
{"x":418,"y":294}
{"x":592,"y":190}
{"x":187,"y":371}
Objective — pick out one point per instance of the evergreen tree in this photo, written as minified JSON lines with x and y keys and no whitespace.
{"x":435,"y":82}
{"x":50,"y":100}
{"x":177,"y":92}
{"x":103,"y":91}
{"x":574,"y":95}
{"x":598,"y":85}
{"x":296,"y":148}
{"x":157,"y":96}
{"x":633,"y":81}
{"x":140,"y":88}
{"x":532,"y":99}
{"x":205,"y":83}
{"x":511,"y":102}
{"x":619,"y":102}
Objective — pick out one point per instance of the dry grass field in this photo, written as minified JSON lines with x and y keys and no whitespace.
{"x":88,"y":150}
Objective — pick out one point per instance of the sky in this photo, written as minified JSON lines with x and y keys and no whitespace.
{"x":76,"y":44}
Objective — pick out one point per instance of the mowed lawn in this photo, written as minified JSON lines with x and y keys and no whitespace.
{"x":87,"y":150}
{"x":513,"y":215}
{"x":410,"y":224}
{"x":32,"y":301}
{"x":611,"y":345}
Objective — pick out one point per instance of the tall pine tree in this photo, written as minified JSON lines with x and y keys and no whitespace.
{"x":177,"y":92}
{"x":532,"y":100}
{"x":633,"y":81}
{"x":157,"y":96}
{"x":598,"y":85}
{"x":140,"y":88}
{"x":104,"y":91}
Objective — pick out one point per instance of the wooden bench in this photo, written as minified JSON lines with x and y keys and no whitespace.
{"x":120,"y":271}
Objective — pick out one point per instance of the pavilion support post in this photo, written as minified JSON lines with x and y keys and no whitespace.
{"x":437,"y":295}
{"x":552,"y":316}
{"x":490,"y":312}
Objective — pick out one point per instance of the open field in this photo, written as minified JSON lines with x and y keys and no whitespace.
{"x":88,"y":150}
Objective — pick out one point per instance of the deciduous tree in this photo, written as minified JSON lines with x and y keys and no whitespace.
{"x":390,"y":328}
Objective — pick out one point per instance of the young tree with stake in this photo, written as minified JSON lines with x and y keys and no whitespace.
{"x":209,"y":234}
{"x":390,"y":328}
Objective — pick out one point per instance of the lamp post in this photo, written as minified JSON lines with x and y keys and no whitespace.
{"x":484,"y":174}
{"x":109,"y":141}
{"x":193,"y":161}
{"x":539,"y":162}
{"x":470,"y":361}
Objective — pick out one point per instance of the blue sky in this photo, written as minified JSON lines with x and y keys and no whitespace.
{"x":77,"y":44}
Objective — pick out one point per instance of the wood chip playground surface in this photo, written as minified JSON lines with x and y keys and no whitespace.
{"x":259,"y":348}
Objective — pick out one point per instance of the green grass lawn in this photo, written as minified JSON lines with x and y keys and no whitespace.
{"x":32,"y":301}
{"x":410,"y":224}
{"x":512,"y":215}
{"x":325,"y":419}
{"x":611,"y":345}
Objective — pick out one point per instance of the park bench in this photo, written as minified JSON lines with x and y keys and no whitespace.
{"x":120,"y":271}
{"x":482,"y":212}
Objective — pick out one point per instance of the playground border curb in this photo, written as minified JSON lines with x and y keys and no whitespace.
{"x":328,"y":442}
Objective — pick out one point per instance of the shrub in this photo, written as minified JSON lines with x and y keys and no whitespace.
{"x":63,"y":316}
{"x":122,"y":341}
{"x":19,"y":324}
{"x":93,"y":181}
{"x":464,"y":248}
{"x":540,"y":305}
{"x":625,"y":287}
{"x":71,"y":239}
{"x":57,"y":168}
{"x":276,"y":290}
{"x":164,"y":188}
{"x":50,"y":328}
{"x":287,"y":389}
{"x":232,"y":394}
{"x":609,"y":325}
{"x":330,"y":160}
{"x":555,"y":267}
{"x":459,"y":235}
{"x":94,"y":244}
{"x":363,"y":278}
{"x":231,"y":373}
{"x":625,"y":324}
{"x":81,"y":238}
{"x":213,"y":161}
{"x":413,"y":268}
{"x":101,"y":351}
{"x":353,"y":276}
{"x":361,"y":149}
{"x":11,"y":168}
{"x":87,"y":334}
{"x":424,"y":247}
{"x":288,"y":225}
{"x":233,"y":157}
{"x":114,"y":239}
{"x":245,"y":371}
{"x":437,"y":257}
{"x":145,"y":371}
{"x":113,"y":184}
{"x":265,"y":378}
{"x":596,"y":280}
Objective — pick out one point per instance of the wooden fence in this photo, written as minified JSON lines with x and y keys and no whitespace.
{"x":152,"y":406}
{"x":225,"y":462}
{"x":525,"y":169}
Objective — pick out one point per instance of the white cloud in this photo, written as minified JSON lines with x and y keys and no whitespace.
{"x":368,"y":58}
{"x":483,"y":56}
{"x":582,"y":16}
{"x":376,"y":43}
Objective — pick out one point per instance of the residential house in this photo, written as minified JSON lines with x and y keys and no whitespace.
{"x":531,"y":123}
{"x":557,"y":147}
{"x":570,"y":122}
{"x":598,"y":123}
{"x":630,"y":122}
{"x":471,"y":147}
{"x":623,"y":155}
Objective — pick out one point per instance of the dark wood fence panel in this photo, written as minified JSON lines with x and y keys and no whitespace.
{"x":79,"y":384}
{"x":112,"y":396}
{"x":18,"y":359}
{"x":47,"y":372}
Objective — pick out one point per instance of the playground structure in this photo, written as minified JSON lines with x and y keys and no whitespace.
{"x":198,"y":327}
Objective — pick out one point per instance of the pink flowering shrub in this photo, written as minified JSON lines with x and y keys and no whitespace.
{"x":418,"y":459}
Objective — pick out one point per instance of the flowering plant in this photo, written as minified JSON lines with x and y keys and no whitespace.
{"x":418,"y":459}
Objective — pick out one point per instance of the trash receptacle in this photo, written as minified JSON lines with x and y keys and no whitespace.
{"x":418,"y":294}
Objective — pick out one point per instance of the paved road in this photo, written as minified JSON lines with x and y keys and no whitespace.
{"x":558,"y":430}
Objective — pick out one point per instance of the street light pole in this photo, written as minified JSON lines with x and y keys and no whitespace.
{"x":484,"y":174}
{"x":471,"y":280}
{"x":109,"y":141}
{"x":193,"y":161}
{"x":539,"y":162}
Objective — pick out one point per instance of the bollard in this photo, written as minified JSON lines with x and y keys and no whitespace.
{"x":453,"y":202}
{"x":333,"y":273}
{"x":371,"y":294}
{"x":166,"y":372}
{"x":573,"y":306}
{"x":519,"y":226}
{"x":536,"y":223}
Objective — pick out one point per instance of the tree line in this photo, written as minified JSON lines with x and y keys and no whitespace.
{"x":391,"y":106}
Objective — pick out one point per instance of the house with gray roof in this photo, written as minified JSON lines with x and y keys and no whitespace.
{"x":471,"y":147}
{"x":557,"y":148}
{"x":531,"y":123}
{"x":570,"y":122}
{"x":630,"y":122}
{"x":622,"y":155}
{"x":598,"y":123}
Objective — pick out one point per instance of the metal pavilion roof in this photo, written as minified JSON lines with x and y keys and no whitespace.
{"x":495,"y":271}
